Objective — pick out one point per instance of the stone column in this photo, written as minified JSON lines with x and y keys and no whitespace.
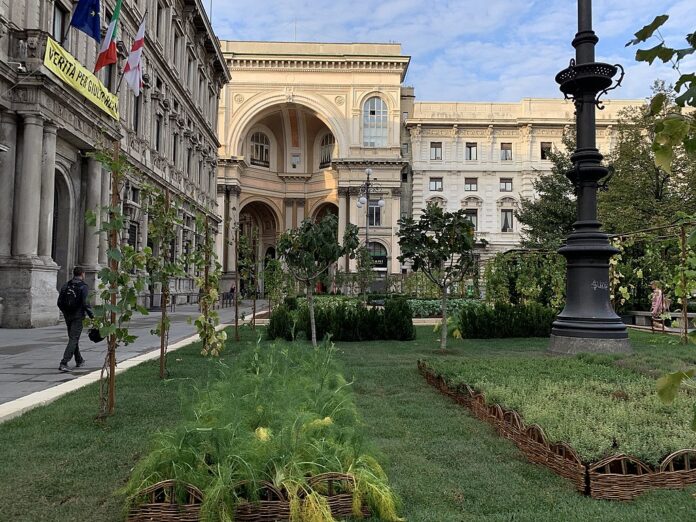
{"x":105,"y":202}
{"x":90,"y":240}
{"x":25,"y":227}
{"x":48,"y":182}
{"x":8,"y":154}
{"x":233,"y":214}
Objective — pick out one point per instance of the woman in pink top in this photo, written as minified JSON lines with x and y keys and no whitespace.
{"x":659,"y":305}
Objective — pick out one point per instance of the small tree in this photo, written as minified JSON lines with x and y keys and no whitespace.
{"x":119,"y":284}
{"x":309,"y":251}
{"x":208,"y":272}
{"x":273,"y":280}
{"x":247,"y":267}
{"x":440,"y":245}
{"x":163,"y":219}
{"x":365,"y":274}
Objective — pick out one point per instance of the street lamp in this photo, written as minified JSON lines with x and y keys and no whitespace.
{"x":587,"y":323}
{"x":364,"y":200}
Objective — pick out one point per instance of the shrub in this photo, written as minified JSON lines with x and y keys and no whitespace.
{"x":290,"y":302}
{"x":479,"y":321}
{"x":280,"y":324}
{"x":398,"y":320}
{"x":433,"y":307}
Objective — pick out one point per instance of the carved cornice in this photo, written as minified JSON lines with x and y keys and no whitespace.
{"x":343,"y":191}
{"x":396,"y":192}
{"x":304,"y":64}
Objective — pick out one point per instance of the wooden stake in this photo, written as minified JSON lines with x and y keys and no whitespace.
{"x":206,"y":282}
{"x":682,"y":274}
{"x":236,"y":289}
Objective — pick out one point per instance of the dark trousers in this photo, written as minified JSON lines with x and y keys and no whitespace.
{"x":74,"y":325}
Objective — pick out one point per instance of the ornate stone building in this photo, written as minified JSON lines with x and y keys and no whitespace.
{"x":47,"y":178}
{"x":483,"y":157}
{"x":299,"y":123}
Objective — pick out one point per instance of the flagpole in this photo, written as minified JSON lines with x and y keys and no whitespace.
{"x":120,"y":80}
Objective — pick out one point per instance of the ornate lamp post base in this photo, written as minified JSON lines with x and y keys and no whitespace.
{"x":573,"y":345}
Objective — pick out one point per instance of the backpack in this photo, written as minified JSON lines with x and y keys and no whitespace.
{"x":70,"y":298}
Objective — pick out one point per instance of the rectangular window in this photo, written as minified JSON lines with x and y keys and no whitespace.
{"x":374,"y":213}
{"x":136,"y":114}
{"x":108,"y":78}
{"x":404,"y":149}
{"x":158,"y":133}
{"x":60,"y":21}
{"x":188,"y":163}
{"x":436,"y":184}
{"x":505,"y":184}
{"x":158,"y":20}
{"x":506,"y":220}
{"x":545,"y":149}
{"x":471,"y":151}
{"x":472,"y":215}
{"x":133,"y":234}
{"x":175,"y":149}
{"x":470,"y":184}
{"x":175,"y":50}
{"x":435,"y":150}
{"x":404,"y":176}
{"x":506,"y":151}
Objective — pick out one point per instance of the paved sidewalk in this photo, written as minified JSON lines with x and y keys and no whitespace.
{"x":29,"y":357}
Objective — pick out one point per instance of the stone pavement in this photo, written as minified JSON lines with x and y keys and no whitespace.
{"x":29,"y":357}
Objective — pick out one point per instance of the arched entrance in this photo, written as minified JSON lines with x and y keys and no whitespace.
{"x":62,"y":252}
{"x":325,"y":209}
{"x":259,"y":223}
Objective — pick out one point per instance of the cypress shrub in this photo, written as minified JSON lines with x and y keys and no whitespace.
{"x":505,"y":320}
{"x":398,"y":320}
{"x":290,"y":302}
{"x":280,"y":323}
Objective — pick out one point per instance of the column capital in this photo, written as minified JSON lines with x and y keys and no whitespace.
{"x":32,"y":118}
{"x":50,"y":127}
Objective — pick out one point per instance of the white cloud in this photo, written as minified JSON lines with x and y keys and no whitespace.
{"x":466,"y":50}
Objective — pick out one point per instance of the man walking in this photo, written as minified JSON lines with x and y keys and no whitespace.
{"x":73,"y":301}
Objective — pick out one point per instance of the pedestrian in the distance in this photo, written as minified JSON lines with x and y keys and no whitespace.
{"x":73,"y":302}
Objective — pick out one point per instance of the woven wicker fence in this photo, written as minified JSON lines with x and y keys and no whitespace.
{"x":160,"y":503}
{"x":619,"y":477}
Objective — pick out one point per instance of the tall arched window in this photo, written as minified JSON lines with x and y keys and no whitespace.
{"x":375,"y":123}
{"x":260,"y":150}
{"x":327,"y":146}
{"x":378,"y":253}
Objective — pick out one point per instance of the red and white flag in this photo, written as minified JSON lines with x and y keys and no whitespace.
{"x":107,"y":53}
{"x":133,"y":72}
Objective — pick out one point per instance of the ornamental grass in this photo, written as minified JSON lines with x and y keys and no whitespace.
{"x":279,"y":415}
{"x":586,"y":401}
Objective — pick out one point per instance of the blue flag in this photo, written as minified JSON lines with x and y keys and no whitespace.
{"x":86,"y":18}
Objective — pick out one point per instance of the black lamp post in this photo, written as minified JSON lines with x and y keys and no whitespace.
{"x":587,"y":323}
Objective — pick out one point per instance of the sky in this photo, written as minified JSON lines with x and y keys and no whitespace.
{"x":464,"y":50}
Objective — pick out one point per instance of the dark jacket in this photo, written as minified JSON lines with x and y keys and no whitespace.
{"x":86,"y":309}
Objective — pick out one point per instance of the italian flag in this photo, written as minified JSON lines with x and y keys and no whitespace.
{"x":107,"y":53}
{"x":133,"y":72}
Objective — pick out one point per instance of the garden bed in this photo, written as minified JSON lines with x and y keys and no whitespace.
{"x":609,"y":451}
{"x":277,"y":437}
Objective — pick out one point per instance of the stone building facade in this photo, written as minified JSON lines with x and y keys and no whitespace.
{"x":484,"y":157}
{"x":299,"y":124}
{"x":47,"y":176}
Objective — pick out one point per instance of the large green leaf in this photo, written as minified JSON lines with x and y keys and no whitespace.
{"x":668,"y":385}
{"x":648,"y":30}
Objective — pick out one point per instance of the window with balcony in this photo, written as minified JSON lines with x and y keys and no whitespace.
{"x":470,"y":184}
{"x":471,"y":151}
{"x":435,"y":150}
{"x":506,"y":151}
{"x":260,"y":150}
{"x":506,"y":220}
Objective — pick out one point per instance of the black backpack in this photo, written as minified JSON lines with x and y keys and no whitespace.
{"x":70,"y":298}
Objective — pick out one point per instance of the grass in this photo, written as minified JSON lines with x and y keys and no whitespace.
{"x":58,"y":464}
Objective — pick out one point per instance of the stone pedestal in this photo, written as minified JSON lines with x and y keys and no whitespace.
{"x":29,"y":293}
{"x":561,"y":345}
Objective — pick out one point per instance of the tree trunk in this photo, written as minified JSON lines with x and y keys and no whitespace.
{"x":443,"y":329}
{"x":253,"y":310}
{"x":685,"y":293}
{"x":113,"y":244}
{"x":310,"y":306}
{"x":206,"y":284}
{"x":163,"y":329}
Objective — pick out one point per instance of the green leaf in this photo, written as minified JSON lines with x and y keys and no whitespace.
{"x":648,"y":30}
{"x":663,"y":157}
{"x":668,"y":385}
{"x":659,"y":51}
{"x":657,"y":103}
{"x":115,"y":254}
{"x":691,"y":241}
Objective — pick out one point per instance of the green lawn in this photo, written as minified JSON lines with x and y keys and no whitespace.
{"x":57,"y":463}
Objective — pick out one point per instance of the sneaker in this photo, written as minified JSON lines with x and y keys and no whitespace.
{"x":64,"y":368}
{"x":80,"y":364}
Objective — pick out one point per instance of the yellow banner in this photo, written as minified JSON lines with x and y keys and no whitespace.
{"x":64,"y":65}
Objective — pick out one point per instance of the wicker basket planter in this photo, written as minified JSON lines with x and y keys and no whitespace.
{"x":272,"y":506}
{"x":619,"y":477}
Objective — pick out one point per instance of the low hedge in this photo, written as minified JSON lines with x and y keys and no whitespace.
{"x":481,"y":321}
{"x":433,"y":307}
{"x":345,"y":320}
